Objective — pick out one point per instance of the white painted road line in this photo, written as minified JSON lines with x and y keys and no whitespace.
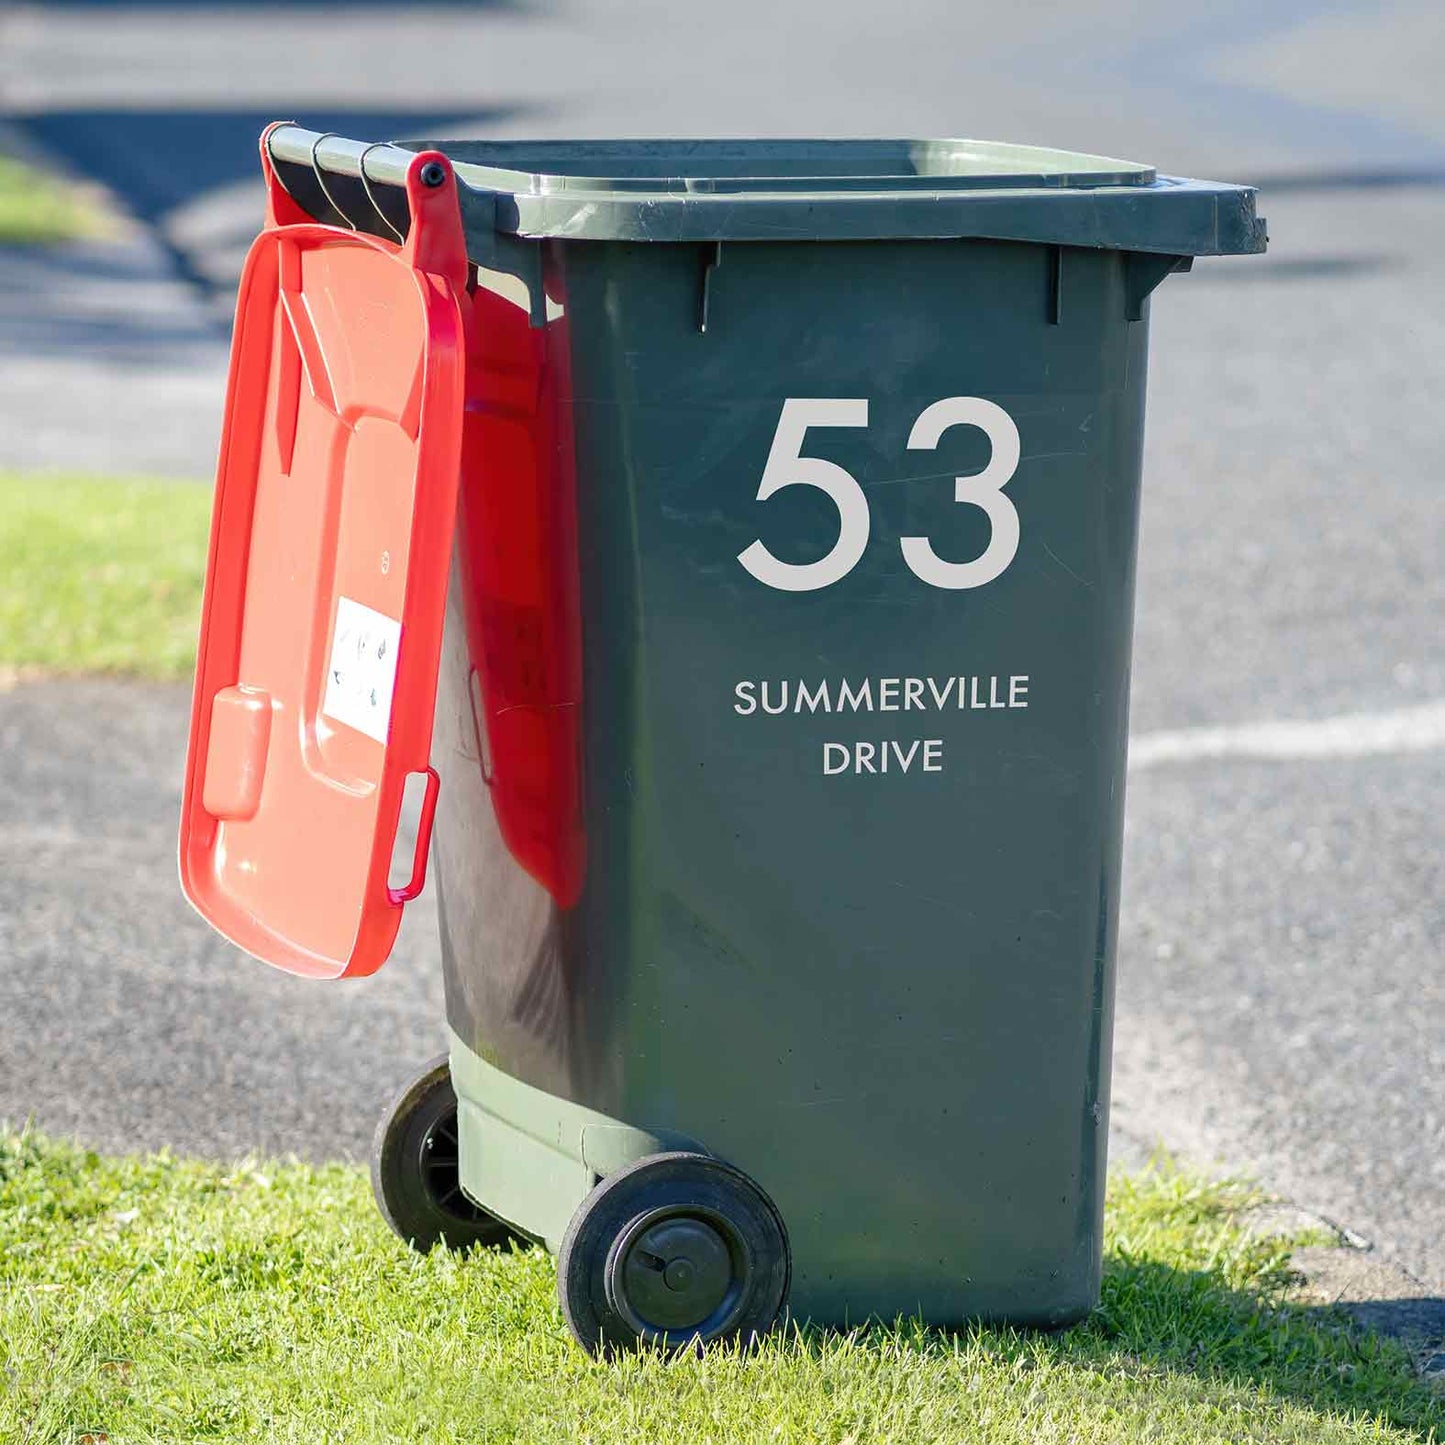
{"x":1355,"y":735}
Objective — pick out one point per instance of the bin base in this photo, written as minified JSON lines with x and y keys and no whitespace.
{"x":529,"y":1157}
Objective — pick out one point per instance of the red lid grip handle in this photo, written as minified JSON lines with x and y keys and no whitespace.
{"x":423,"y":842}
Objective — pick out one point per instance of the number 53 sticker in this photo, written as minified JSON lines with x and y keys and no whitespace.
{"x":788,"y":467}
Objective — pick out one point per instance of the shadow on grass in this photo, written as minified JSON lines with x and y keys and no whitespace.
{"x":1154,"y":1318}
{"x":1196,"y":1335}
{"x":1319,"y":1356}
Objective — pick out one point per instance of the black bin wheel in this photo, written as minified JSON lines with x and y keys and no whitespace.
{"x":673,"y":1250}
{"x":415,"y":1169}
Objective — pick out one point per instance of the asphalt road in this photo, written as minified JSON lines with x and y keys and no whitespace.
{"x":1281,"y":993}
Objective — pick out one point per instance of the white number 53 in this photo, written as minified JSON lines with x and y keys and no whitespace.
{"x":787,"y":467}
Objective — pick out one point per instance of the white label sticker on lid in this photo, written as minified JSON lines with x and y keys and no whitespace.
{"x":362,"y":672}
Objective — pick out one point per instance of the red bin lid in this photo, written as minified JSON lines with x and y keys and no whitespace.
{"x":326,"y":581}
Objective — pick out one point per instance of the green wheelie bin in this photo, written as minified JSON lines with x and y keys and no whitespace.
{"x":780,"y":673}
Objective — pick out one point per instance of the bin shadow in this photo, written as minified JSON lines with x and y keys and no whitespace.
{"x":1154,"y":1317}
{"x":1419,"y":1321}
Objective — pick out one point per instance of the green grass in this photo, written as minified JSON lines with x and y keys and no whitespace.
{"x":158,"y":1299}
{"x":36,"y":211}
{"x":100,"y":575}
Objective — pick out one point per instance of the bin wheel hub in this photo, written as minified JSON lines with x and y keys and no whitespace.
{"x":676,"y":1249}
{"x":675,"y":1272}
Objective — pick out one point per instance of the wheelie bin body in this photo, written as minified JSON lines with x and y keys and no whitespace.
{"x":782,"y":693}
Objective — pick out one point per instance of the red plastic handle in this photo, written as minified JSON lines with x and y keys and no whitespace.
{"x":423,"y":842}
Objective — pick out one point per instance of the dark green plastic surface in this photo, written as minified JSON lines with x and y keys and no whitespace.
{"x":886,"y":998}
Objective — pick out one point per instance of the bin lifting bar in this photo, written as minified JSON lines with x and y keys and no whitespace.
{"x":321,"y":181}
{"x":382,"y":163}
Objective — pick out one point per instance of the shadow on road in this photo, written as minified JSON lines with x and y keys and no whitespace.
{"x":1316,"y":182}
{"x":107,"y":303}
{"x":1418,"y":1319}
{"x":520,"y":6}
{"x":161,"y":162}
{"x":1345,"y":266}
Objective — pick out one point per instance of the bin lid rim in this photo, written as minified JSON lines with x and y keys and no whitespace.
{"x":785,"y":190}
{"x":822,"y":166}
